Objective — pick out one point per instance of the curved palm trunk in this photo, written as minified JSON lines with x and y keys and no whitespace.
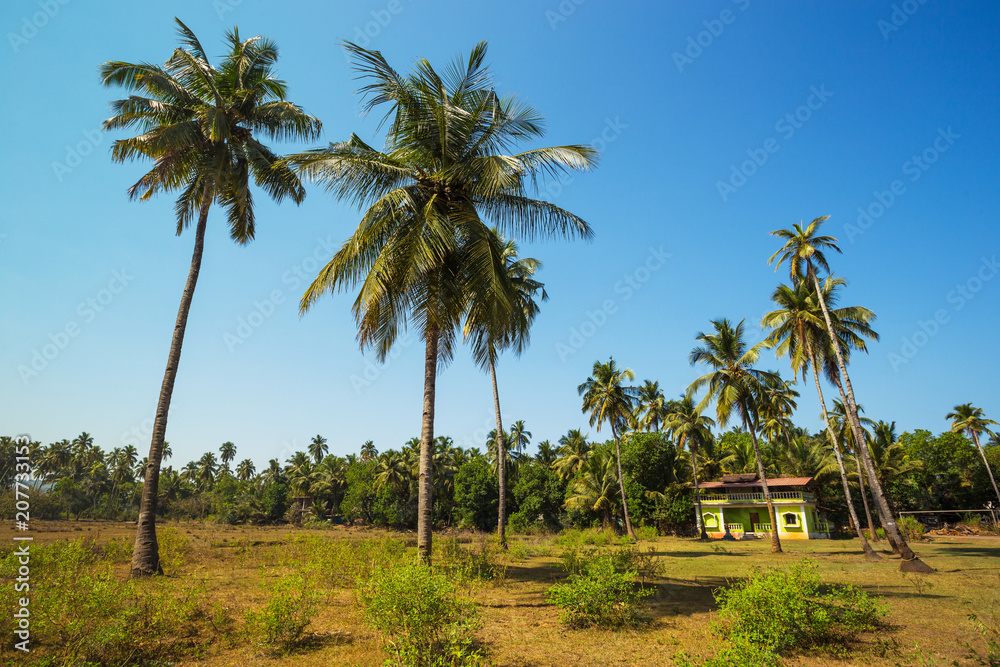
{"x":146,"y":552}
{"x":775,"y":540}
{"x":975,"y":438}
{"x":697,"y":492}
{"x":425,"y":483}
{"x":865,"y":546}
{"x":910,"y":560}
{"x":621,"y":484}
{"x":864,"y":498}
{"x":501,"y":464}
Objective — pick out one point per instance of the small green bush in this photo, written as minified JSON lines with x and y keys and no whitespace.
{"x":911,"y":528}
{"x":484,"y":562}
{"x":424,"y":620}
{"x":279,"y":627}
{"x":600,"y":596}
{"x":647,"y":533}
{"x":626,"y":558}
{"x":775,"y":610}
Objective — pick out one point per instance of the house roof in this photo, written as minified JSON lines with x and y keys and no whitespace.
{"x":755,"y":482}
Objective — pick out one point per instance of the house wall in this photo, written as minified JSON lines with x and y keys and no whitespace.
{"x":804,"y":526}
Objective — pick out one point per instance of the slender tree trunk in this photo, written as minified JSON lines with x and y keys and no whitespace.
{"x":501,"y":464}
{"x":775,"y":540}
{"x":911,"y":562}
{"x":146,"y":552}
{"x":621,"y":483}
{"x":697,"y":492}
{"x":425,"y":484}
{"x":864,"y":498}
{"x":982,"y":452}
{"x":867,"y":548}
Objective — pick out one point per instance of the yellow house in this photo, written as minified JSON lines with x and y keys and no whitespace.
{"x":735,"y":505}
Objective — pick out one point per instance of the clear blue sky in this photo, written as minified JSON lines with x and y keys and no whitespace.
{"x":834,"y":105}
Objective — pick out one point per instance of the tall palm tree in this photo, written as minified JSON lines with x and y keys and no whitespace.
{"x":227,"y":452}
{"x":804,"y":250}
{"x":609,"y":400}
{"x":520,"y":436}
{"x":245,"y":470}
{"x":200,"y":124}
{"x":845,"y":434}
{"x":207,"y":470}
{"x":573,"y":452}
{"x":501,"y":320}
{"x":798,"y":330}
{"x":318,"y":448}
{"x":423,"y":248}
{"x":546,"y":453}
{"x":690,"y":428}
{"x":368,"y":451}
{"x":735,"y":384}
{"x":391,"y":471}
{"x":889,"y":455}
{"x":650,"y":408}
{"x":973,"y":421}
{"x":593,"y":487}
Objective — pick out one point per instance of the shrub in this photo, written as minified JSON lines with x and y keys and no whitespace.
{"x":577,"y":559}
{"x":647,"y":533}
{"x":481,"y":563}
{"x":601,"y":596}
{"x":775,"y":610}
{"x":280,"y":625}
{"x":423,"y":619}
{"x":911,"y":528}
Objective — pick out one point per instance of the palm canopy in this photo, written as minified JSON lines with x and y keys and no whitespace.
{"x":422,"y":245}
{"x":607,"y":398}
{"x":688,"y":425}
{"x":502,"y":319}
{"x":734,"y":383}
{"x":798,"y":325}
{"x":803,"y":249}
{"x":200,"y":124}
{"x":970,"y":419}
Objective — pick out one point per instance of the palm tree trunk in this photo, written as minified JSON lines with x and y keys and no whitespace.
{"x":621,"y":483}
{"x":425,"y":483}
{"x":867,"y":548}
{"x":911,"y":562}
{"x":501,"y":464}
{"x":775,"y":540}
{"x":982,"y":452}
{"x":146,"y":552}
{"x":864,"y":498}
{"x":697,"y":493}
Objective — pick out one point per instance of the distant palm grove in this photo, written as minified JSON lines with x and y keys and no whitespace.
{"x":441,"y":207}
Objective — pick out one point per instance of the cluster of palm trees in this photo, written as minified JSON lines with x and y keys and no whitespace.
{"x":423,"y":254}
{"x":439,"y":206}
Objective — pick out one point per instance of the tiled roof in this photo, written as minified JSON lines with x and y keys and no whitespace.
{"x":777,"y":481}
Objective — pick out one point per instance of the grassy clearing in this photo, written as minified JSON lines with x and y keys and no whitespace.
{"x":225,"y":586}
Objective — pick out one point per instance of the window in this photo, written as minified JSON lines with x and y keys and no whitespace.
{"x":791,"y":519}
{"x":710,"y":519}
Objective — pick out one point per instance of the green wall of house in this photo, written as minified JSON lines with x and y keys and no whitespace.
{"x":795,"y":520}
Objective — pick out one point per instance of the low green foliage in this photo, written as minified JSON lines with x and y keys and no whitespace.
{"x":480,"y":562}
{"x":424,"y":620}
{"x":773,"y":611}
{"x":601,"y":595}
{"x":281,"y":624}
{"x":911,"y":528}
{"x":82,"y":613}
{"x":577,"y":559}
{"x":647,"y":533}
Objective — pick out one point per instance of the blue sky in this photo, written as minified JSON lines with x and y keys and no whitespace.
{"x":718,"y":122}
